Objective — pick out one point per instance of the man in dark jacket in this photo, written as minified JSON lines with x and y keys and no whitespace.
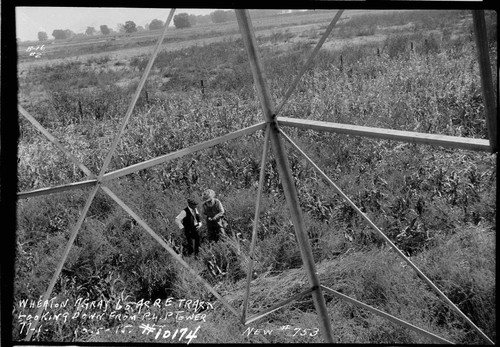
{"x":189,"y":221}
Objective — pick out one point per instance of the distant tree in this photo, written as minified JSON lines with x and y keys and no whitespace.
{"x":146,"y":26}
{"x":42,"y":36}
{"x":192,"y":20}
{"x":230,"y":15}
{"x":203,"y":19}
{"x":155,"y":24}
{"x":219,"y":16}
{"x":130,"y":27}
{"x":59,"y":34}
{"x":140,"y":28}
{"x":69,"y":33}
{"x":90,"y":31}
{"x":120,"y":28}
{"x":105,"y":30}
{"x":181,"y":21}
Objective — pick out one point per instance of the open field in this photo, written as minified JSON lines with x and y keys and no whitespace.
{"x":410,"y":70}
{"x":125,"y":46}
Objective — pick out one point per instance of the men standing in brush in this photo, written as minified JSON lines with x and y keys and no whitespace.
{"x":214,"y":211}
{"x":189,"y":220}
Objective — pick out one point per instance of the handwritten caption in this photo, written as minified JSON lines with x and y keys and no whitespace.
{"x":284,"y":329}
{"x":143,"y":316}
{"x":35,"y":51}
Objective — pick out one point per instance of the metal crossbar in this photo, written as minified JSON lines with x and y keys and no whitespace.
{"x":52,"y":139}
{"x":265,"y":151}
{"x":57,"y":189}
{"x":277,"y":306}
{"x":60,"y":265}
{"x":386,"y":315}
{"x":390,"y":134}
{"x":180,"y":153}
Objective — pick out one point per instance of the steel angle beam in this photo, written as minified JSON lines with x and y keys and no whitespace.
{"x":389,"y":134}
{"x":180,"y":153}
{"x":52,"y":139}
{"x":60,"y":265}
{"x":56,"y":189}
{"x":265,"y":151}
{"x":284,"y":170}
{"x":277,"y":306}
{"x":386,"y":315}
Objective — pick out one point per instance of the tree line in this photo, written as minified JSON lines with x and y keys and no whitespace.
{"x":181,"y":21}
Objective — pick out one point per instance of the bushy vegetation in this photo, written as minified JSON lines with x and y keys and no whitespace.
{"x":438,"y":205}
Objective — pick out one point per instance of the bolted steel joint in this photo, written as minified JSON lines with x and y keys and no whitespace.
{"x":274,"y":124}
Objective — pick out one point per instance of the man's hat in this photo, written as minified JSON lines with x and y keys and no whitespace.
{"x":192,"y":201}
{"x":208,"y":194}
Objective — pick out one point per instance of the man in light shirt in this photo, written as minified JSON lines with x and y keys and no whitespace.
{"x":189,"y":220}
{"x":214,"y":211}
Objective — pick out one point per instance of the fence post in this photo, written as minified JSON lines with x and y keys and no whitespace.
{"x":80,"y":110}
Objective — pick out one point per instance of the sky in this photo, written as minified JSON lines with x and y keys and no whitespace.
{"x":31,"y":20}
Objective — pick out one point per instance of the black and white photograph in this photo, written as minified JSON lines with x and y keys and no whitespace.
{"x":287,"y":175}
